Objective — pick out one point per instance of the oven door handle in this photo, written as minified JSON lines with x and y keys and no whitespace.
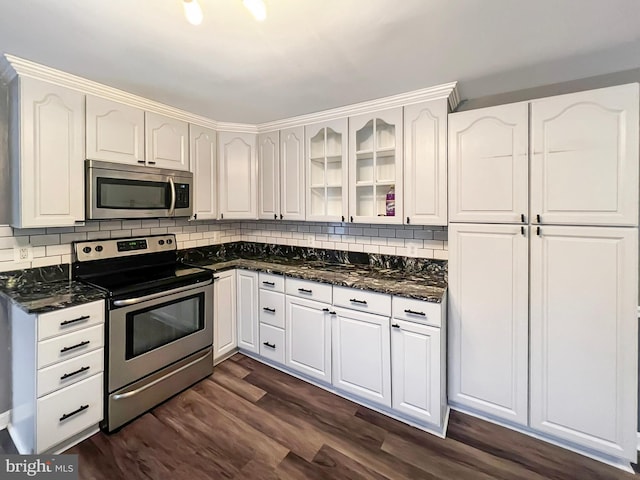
{"x":133,"y":301}
{"x":122,"y":396}
{"x":172,"y":207}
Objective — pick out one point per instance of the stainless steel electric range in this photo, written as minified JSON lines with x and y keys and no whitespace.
{"x":160,"y":313}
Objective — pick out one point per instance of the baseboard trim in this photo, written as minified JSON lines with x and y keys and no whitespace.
{"x":4,"y":419}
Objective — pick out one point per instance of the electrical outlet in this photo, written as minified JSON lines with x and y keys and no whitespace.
{"x":23,"y":253}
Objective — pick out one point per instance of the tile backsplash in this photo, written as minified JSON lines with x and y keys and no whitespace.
{"x":52,"y":246}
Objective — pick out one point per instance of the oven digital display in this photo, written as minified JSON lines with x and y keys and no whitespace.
{"x":129,"y":245}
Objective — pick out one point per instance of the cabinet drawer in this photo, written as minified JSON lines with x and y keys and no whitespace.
{"x":272,"y":343}
{"x":372,"y":302}
{"x":269,"y":281}
{"x":69,"y":411}
{"x":69,"y":372}
{"x":320,"y":292}
{"x":70,"y":319}
{"x":418,"y":311}
{"x":271,"y":308}
{"x":69,"y":346}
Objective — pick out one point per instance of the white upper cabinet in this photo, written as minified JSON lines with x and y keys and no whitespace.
{"x":375,"y":167}
{"x":488,"y":319}
{"x":166,"y":142}
{"x":115,"y":132}
{"x":425,"y":163}
{"x":584,"y":168}
{"x":269,"y":175}
{"x":488,"y":164}
{"x":204,"y":165}
{"x":584,"y":334}
{"x":238,"y":175}
{"x":326,"y":171}
{"x":292,"y":191}
{"x":46,"y":142}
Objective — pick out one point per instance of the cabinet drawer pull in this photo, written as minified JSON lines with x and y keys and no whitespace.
{"x":412,"y":312}
{"x":267,"y":309}
{"x":141,"y":161}
{"x":75,"y":320}
{"x":538,"y":219}
{"x":522,"y":219}
{"x":67,"y":375}
{"x":395,"y":325}
{"x":270,"y":345}
{"x":355,"y":300}
{"x":325,"y":309}
{"x":304,"y":290}
{"x":332,"y":313}
{"x":151,"y":163}
{"x":75,"y":412}
{"x":271,"y":284}
{"x":215,"y":277}
{"x":73,"y":347}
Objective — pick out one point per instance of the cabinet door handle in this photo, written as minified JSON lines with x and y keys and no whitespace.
{"x":538,"y":231}
{"x":75,"y":320}
{"x":395,"y":325}
{"x":73,"y":347}
{"x":522,"y":217}
{"x":215,"y":277}
{"x":221,"y":216}
{"x":413,"y":312}
{"x":343,"y":218}
{"x":271,"y":284}
{"x":75,"y":412}
{"x":522,"y":231}
{"x":408,"y":220}
{"x":351,"y":218}
{"x":270,"y":345}
{"x":195,"y":216}
{"x":355,"y":300}
{"x":538,"y":218}
{"x":281,"y":216}
{"x":304,"y":290}
{"x":275,"y":216}
{"x":67,"y":375}
{"x":267,"y":309}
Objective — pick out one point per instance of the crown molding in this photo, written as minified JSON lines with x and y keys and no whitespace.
{"x":447,"y":91}
{"x":12,"y":66}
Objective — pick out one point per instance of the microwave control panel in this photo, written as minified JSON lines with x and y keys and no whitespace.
{"x":182,"y":195}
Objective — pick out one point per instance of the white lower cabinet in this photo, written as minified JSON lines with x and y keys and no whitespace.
{"x":247,"y":310}
{"x":225,"y":338}
{"x":57,"y":386}
{"x":416,"y":371}
{"x":308,"y":333}
{"x":361,"y":355}
{"x":272,"y":343}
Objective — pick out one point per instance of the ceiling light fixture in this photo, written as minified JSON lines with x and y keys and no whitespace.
{"x":257,"y":9}
{"x":192,"y":11}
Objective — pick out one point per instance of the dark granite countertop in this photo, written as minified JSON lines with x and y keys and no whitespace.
{"x":423,"y":285}
{"x":46,"y":289}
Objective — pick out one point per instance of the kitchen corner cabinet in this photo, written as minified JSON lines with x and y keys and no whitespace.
{"x":237,"y":175}
{"x":584,"y":335}
{"x":375,"y":166}
{"x":203,"y":152}
{"x":308,"y":336}
{"x":488,"y":319}
{"x":326,"y":171}
{"x":115,"y":131}
{"x":584,"y":165}
{"x":292,"y":191}
{"x":489,"y":165}
{"x":46,"y":144}
{"x":166,"y":142}
{"x":247,"y":310}
{"x":361,"y":355}
{"x":225,"y":339}
{"x":425,"y":163}
{"x":269,"y":175}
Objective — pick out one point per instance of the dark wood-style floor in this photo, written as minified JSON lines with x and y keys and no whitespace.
{"x":248,"y":421}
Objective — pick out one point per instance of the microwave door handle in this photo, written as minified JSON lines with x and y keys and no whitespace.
{"x":172,"y":207}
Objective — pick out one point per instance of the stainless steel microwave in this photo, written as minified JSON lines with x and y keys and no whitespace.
{"x":116,"y":190}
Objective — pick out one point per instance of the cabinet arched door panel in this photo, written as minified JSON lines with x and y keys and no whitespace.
{"x":167,"y":142}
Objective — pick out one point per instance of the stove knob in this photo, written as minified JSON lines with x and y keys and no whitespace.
{"x":160,"y":242}
{"x":99,"y":248}
{"x":169,"y":241}
{"x":86,"y":249}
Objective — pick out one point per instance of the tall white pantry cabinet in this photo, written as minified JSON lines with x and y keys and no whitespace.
{"x":543,"y":270}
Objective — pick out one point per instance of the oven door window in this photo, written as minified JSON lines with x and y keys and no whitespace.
{"x":162,"y":324}
{"x":118,"y":193}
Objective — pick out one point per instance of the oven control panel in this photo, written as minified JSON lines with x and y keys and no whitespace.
{"x":122,"y":247}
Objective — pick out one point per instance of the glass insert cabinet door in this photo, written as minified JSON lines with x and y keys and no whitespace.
{"x":326,"y":172}
{"x":375,"y":168}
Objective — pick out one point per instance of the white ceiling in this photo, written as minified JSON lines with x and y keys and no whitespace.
{"x":310,"y":55}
